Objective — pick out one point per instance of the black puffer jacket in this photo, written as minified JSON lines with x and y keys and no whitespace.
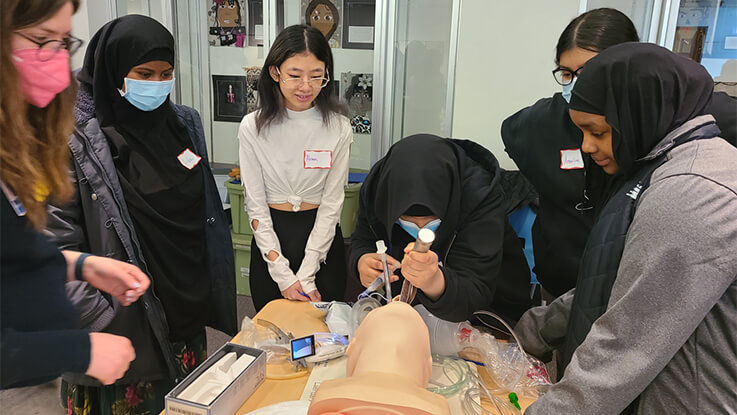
{"x":483,"y":261}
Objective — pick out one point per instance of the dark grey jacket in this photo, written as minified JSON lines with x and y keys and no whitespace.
{"x":97,"y":221}
{"x":669,"y":332}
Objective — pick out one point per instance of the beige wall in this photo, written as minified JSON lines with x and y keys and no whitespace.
{"x":506,"y":50}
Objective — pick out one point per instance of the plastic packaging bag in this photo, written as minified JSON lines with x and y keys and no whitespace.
{"x":508,"y":366}
{"x":511,"y":361}
{"x":338,"y":318}
{"x":536,"y":380}
{"x":259,"y":337}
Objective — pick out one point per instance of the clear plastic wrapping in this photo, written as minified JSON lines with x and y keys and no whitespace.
{"x":260,"y":337}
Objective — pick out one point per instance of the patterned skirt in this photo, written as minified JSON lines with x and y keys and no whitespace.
{"x":138,"y":398}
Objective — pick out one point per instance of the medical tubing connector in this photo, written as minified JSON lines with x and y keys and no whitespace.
{"x":383,"y":280}
{"x":375,"y":284}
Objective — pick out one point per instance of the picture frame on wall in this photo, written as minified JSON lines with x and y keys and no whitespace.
{"x":226,"y":21}
{"x":357,"y":93}
{"x":229,"y":98}
{"x":689,"y":41}
{"x":255,"y":23}
{"x":358,"y":24}
{"x":327,"y":17}
{"x":253,"y":74}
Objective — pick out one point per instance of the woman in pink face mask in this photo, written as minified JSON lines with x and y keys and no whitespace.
{"x":39,"y":338}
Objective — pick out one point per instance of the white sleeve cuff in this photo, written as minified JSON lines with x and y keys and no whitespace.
{"x":308,"y":286}
{"x":280,"y":272}
{"x":308,"y":269}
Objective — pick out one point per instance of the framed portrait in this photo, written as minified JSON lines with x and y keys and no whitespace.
{"x":689,"y":41}
{"x":326,"y":16}
{"x":255,"y":23}
{"x":357,"y":93}
{"x":358,"y":24}
{"x":227,"y":23}
{"x":229,"y":97}
{"x":252,"y":76}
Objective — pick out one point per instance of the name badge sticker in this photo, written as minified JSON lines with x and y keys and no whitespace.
{"x":571,"y":159}
{"x":15,"y":203}
{"x":188,"y":159}
{"x":318,"y":159}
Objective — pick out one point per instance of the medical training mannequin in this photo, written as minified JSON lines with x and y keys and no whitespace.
{"x":389,"y":366}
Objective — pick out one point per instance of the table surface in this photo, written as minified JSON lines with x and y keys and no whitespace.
{"x":301,"y":319}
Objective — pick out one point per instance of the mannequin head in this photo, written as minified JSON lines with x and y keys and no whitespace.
{"x":388,"y":369}
{"x":392,"y":339}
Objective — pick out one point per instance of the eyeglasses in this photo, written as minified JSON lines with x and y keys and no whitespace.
{"x":564,"y":76}
{"x":315,"y":82}
{"x":49,"y":48}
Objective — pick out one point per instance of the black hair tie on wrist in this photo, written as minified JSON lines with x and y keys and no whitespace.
{"x":78,"y":266}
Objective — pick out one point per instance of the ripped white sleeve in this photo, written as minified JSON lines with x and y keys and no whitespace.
{"x":328,"y":213}
{"x":258,"y":210}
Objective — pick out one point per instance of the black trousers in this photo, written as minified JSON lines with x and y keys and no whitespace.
{"x":293,"y":229}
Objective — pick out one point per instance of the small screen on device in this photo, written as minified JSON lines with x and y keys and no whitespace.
{"x":303,"y":347}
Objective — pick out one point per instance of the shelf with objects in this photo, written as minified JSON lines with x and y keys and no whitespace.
{"x":221,"y":56}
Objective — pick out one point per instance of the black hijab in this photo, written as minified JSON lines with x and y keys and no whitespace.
{"x":645,"y":91}
{"x":165,"y":200}
{"x":144,"y":143}
{"x":419,"y":173}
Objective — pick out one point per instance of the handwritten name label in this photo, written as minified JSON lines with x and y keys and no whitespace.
{"x":318,"y":159}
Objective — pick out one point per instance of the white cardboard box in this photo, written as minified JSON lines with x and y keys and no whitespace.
{"x":233,"y":397}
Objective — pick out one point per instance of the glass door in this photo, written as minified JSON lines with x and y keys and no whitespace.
{"x":415,"y":71}
{"x":645,"y":14}
{"x":220,"y":50}
{"x":702,"y":30}
{"x":706,"y":31}
{"x":160,"y":10}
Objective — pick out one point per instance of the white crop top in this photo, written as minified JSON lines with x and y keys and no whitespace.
{"x":299,"y":159}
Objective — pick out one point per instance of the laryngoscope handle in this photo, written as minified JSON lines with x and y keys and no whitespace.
{"x":424,"y":240}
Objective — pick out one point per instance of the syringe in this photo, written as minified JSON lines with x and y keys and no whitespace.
{"x":384,"y":279}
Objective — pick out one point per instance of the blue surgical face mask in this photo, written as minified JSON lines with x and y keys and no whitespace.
{"x":412,"y":228}
{"x":146,"y":95}
{"x":567,"y":89}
